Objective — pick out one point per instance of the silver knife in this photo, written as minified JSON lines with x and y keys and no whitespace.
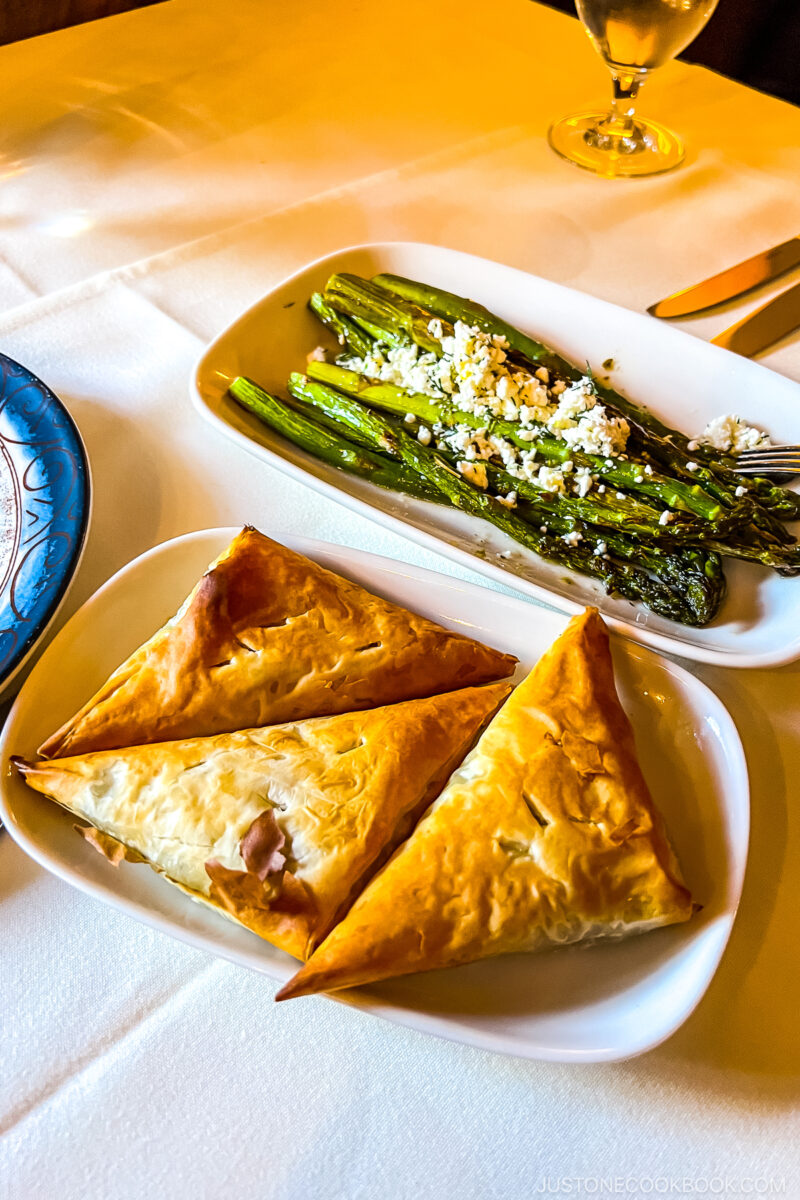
{"x":733,"y":282}
{"x":766,"y":325}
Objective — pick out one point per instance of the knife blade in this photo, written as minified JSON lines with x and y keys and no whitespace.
{"x":734,"y":282}
{"x":766,"y":325}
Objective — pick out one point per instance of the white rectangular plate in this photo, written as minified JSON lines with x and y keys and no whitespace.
{"x":583,"y":1004}
{"x":684,"y":381}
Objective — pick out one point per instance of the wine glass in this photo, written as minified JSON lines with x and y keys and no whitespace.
{"x":633,"y":37}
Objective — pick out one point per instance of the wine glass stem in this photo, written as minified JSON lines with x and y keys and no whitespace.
{"x":620,"y":121}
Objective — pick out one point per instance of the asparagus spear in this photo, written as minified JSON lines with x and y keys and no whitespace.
{"x":454,"y":308}
{"x":757,"y":516}
{"x":639,"y":522}
{"x":690,"y":605}
{"x":388,"y":316}
{"x":618,"y":473}
{"x":605,"y":510}
{"x":323,"y":444}
{"x":346,"y":332}
{"x":695,"y":572}
{"x":609,"y":511}
{"x":351,"y":295}
{"x":763,"y":520}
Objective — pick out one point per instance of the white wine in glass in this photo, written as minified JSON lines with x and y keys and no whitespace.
{"x":633,"y":37}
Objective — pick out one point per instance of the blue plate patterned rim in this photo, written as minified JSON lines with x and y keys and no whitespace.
{"x":44,"y":509}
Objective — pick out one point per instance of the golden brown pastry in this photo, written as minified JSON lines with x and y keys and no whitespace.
{"x":278,"y":827}
{"x":269,"y":636}
{"x":545,"y":835}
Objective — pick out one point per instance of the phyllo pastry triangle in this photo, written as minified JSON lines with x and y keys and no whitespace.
{"x":281,"y":827}
{"x":269,"y":636}
{"x":545,"y":835}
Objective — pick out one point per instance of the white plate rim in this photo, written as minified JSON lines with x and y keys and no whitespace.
{"x":781,"y":655}
{"x":412,"y":1019}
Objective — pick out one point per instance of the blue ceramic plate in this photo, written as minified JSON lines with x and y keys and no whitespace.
{"x":44,"y":510}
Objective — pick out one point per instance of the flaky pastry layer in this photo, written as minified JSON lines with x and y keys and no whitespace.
{"x":278,"y":827}
{"x":545,"y":835}
{"x":269,"y":636}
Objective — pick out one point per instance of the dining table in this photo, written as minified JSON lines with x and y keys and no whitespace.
{"x":160,"y":170}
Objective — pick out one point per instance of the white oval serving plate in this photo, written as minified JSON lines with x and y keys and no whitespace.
{"x":683,"y":380}
{"x":591,"y":1004}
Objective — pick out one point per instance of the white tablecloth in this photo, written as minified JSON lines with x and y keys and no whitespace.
{"x":221,"y":146}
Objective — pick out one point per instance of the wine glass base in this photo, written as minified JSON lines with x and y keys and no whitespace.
{"x":652,"y":150}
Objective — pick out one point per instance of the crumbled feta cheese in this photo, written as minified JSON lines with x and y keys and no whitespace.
{"x":424,"y":435}
{"x":479,"y":445}
{"x":404,"y":366}
{"x":318,"y":354}
{"x":584,"y":481}
{"x":475,"y":372}
{"x":409,"y":418}
{"x":474,"y":473}
{"x":639,"y":479}
{"x":572,"y":538}
{"x":740,"y":491}
{"x":692,"y":466}
{"x":692,"y":445}
{"x":598,"y":433}
{"x":665,"y":518}
{"x":473,"y":369}
{"x":575,"y":401}
{"x":527,"y":413}
{"x":728,"y":433}
{"x":621,"y":496}
{"x":601,"y":489}
{"x":648,"y":470}
{"x":550,"y":479}
{"x":509,"y":500}
{"x":600,"y":549}
{"x":526,"y":467}
{"x":542,"y":529}
{"x":506,"y":451}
